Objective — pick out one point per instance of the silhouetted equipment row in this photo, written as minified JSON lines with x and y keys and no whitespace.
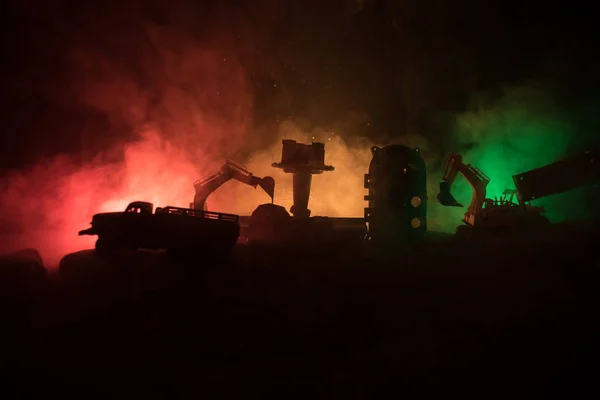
{"x":396,"y":211}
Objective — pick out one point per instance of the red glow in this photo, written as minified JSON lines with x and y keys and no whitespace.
{"x":203,"y":114}
{"x":52,"y":202}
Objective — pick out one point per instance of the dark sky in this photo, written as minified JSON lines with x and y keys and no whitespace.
{"x":406,"y":65}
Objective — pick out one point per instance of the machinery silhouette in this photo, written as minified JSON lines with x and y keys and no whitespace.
{"x":230,"y":170}
{"x":579,"y":169}
{"x":396,"y":211}
{"x":272,"y":224}
{"x":505,"y":216}
{"x":397,"y":184}
{"x":179,"y":230}
{"x":484,"y":216}
{"x":302,"y":161}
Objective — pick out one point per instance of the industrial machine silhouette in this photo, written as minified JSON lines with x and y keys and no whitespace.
{"x":179,"y":230}
{"x":397,"y":184}
{"x":230,"y":170}
{"x":302,"y":161}
{"x":272,"y":224}
{"x":484,"y":216}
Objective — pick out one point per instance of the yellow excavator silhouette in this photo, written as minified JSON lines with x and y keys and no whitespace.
{"x":486,"y":216}
{"x":230,"y":170}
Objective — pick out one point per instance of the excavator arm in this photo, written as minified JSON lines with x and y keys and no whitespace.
{"x":476,"y":178}
{"x":230,"y":170}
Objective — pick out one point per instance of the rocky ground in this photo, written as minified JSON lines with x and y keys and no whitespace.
{"x":488,"y":320}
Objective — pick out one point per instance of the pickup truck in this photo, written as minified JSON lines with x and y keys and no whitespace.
{"x":176,"y":229}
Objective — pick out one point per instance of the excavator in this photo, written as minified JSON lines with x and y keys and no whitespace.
{"x":230,"y":170}
{"x":487,"y":217}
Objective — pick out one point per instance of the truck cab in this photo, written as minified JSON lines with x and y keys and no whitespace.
{"x":140,"y":207}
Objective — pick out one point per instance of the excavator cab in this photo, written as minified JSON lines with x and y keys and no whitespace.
{"x":445,"y":197}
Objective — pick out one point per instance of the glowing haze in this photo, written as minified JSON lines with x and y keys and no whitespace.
{"x":186,"y":105}
{"x":52,"y":201}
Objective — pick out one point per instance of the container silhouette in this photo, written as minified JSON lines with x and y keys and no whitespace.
{"x":397,"y":197}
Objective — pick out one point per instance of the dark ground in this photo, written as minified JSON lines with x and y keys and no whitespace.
{"x":489,"y":321}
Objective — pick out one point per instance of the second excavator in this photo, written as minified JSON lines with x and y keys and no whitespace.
{"x":230,"y":170}
{"x":484,"y":216}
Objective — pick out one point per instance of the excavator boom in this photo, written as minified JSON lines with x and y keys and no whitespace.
{"x":476,"y":178}
{"x":230,"y":170}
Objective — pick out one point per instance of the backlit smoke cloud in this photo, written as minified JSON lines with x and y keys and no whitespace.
{"x":520,"y":130}
{"x":339,"y":193}
{"x":47,"y":205}
{"x":184,"y":106}
{"x":178,"y":101}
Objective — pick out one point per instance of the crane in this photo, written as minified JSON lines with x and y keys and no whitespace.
{"x":484,"y":214}
{"x":230,"y":170}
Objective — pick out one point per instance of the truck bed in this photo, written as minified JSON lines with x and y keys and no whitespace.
{"x":198,"y":213}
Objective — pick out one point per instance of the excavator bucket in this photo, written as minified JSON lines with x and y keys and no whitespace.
{"x":268,"y":185}
{"x":445,"y":197}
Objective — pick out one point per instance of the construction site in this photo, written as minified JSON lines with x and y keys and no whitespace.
{"x":345,"y":287}
{"x":356,"y":199}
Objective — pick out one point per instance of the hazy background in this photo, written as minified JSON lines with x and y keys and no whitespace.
{"x":106,"y":104}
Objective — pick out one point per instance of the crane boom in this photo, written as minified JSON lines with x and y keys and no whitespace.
{"x":230,"y":170}
{"x":476,"y":178}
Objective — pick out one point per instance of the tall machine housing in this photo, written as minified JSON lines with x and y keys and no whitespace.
{"x":397,"y":197}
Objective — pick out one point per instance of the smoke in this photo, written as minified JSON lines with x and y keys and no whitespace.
{"x":338,"y":193}
{"x":521,"y":129}
{"x":178,"y":102}
{"x":45,"y":206}
{"x":177,"y":105}
{"x":193,"y":95}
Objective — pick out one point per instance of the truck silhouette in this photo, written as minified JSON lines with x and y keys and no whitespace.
{"x":180,"y":230}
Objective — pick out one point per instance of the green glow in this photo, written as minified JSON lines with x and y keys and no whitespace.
{"x":521,"y":131}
